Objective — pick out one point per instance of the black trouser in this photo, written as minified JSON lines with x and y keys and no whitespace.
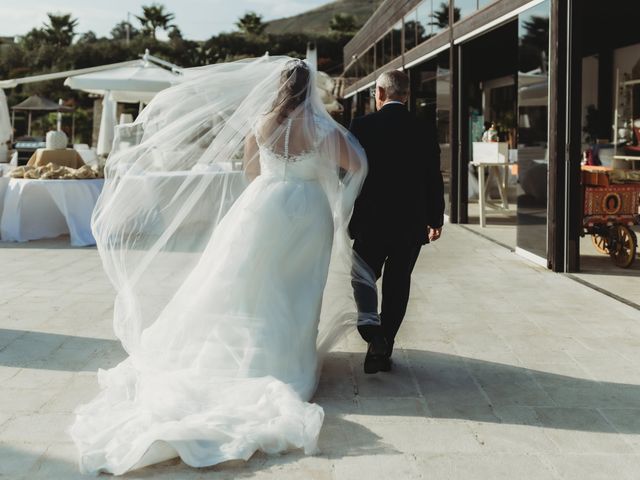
{"x":398,"y":258}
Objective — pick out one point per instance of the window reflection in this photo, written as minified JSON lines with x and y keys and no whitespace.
{"x":396,"y":40}
{"x":424,"y":20}
{"x":379,"y":60}
{"x":410,"y":30}
{"x":387,"y":48}
{"x":430,"y":85}
{"x":533,"y":111}
{"x":440,"y":16}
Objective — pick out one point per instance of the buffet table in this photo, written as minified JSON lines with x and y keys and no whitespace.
{"x":35,"y":209}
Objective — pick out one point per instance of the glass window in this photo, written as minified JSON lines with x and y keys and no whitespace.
{"x":439,"y":18}
{"x":533,"y":114}
{"x":379,"y":54}
{"x":424,"y":21}
{"x":431,"y":100}
{"x":484,"y":3}
{"x":396,"y":40}
{"x":387,"y":48}
{"x":464,"y":8}
{"x":410,"y":31}
{"x":366,"y":62}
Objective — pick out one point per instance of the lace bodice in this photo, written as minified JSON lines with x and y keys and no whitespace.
{"x":302,"y":166}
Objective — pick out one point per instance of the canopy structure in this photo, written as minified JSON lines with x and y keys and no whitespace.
{"x":5,"y":122}
{"x":36,"y":103}
{"x":133,"y":83}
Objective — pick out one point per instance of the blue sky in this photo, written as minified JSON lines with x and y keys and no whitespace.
{"x":198,"y":19}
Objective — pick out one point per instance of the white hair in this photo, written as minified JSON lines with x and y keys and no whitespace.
{"x":395,"y":83}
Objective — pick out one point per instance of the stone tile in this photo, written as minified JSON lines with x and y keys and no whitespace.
{"x":595,"y":467}
{"x":77,"y":392}
{"x":37,"y":427}
{"x":378,"y":466}
{"x":627,"y":422}
{"x":24,"y":400}
{"x":510,"y":438}
{"x":581,"y":430}
{"x":59,"y":461}
{"x":460,"y":466}
{"x":411,"y":435}
{"x":17,"y":458}
{"x":31,"y":378}
{"x":393,"y":407}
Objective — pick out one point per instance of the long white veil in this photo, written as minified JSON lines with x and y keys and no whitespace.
{"x":171,"y":179}
{"x":175,"y":172}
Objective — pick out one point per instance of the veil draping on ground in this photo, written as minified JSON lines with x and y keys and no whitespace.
{"x":175,"y":172}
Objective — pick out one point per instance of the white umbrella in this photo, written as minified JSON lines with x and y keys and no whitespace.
{"x":5,"y":126}
{"x":127,"y":84}
{"x":59,"y":117}
{"x":5,"y":120}
{"x":107,"y":125}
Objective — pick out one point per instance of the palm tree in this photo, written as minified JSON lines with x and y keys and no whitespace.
{"x":60,"y":30}
{"x":343,"y":23}
{"x":153,"y":17}
{"x":251,"y":24}
{"x":441,"y":17}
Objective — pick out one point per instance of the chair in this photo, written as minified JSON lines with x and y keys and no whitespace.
{"x":634,"y":149}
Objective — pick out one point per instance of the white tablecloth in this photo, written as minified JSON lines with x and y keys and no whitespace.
{"x":35,"y":209}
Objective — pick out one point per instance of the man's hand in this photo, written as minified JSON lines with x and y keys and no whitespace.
{"x":434,"y":234}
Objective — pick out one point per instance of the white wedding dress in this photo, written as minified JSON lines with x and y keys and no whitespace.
{"x":225,"y":363}
{"x":276,"y":241}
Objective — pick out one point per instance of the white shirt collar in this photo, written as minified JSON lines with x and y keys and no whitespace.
{"x":389,"y":102}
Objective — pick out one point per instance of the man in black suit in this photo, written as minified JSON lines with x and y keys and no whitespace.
{"x":400,"y":208}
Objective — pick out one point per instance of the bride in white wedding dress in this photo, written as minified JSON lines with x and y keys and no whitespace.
{"x":232,"y":283}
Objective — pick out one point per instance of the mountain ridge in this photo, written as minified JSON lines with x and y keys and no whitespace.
{"x":317,"y":20}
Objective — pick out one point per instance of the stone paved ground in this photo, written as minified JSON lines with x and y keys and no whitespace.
{"x":504,"y":371}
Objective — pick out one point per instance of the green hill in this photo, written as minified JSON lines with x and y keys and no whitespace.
{"x":317,"y":20}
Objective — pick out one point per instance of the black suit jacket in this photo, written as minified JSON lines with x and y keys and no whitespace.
{"x":403,"y":193}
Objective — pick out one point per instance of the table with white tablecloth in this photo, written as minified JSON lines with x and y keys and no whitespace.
{"x":35,"y":209}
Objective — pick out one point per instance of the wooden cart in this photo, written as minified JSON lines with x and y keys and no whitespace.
{"x":610,"y":210}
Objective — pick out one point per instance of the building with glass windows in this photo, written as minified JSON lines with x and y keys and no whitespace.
{"x":557,"y":80}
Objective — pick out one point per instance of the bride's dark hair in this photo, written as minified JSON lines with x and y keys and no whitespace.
{"x":294,"y":86}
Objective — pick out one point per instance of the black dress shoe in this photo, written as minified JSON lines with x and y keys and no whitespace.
{"x":385,"y":366}
{"x":377,"y":359}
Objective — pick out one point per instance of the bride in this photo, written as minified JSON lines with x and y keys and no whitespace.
{"x":222,"y":226}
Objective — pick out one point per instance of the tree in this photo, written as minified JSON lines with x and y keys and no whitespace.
{"x":441,"y":17}
{"x":153,"y":17}
{"x":343,"y":23}
{"x":119,"y":31}
{"x":33,"y":39}
{"x":175,"y":34}
{"x":60,"y":30}
{"x":88,"y":37}
{"x":534,"y":45}
{"x":251,"y":24}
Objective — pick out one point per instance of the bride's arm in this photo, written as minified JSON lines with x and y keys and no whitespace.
{"x":250,"y":162}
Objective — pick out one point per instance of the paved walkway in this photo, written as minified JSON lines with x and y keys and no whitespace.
{"x":505,"y":371}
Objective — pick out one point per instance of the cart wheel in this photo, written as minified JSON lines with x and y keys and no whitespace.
{"x":599,"y":243}
{"x":622,"y":245}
